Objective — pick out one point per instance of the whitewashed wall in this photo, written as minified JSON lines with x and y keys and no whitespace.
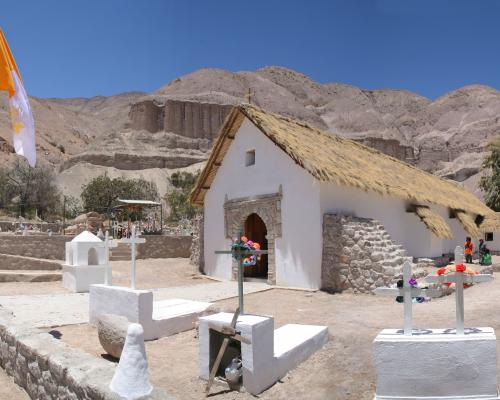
{"x":494,"y":245}
{"x":405,"y":228}
{"x":298,"y":251}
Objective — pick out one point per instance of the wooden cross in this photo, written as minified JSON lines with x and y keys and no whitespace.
{"x":229,"y":333}
{"x":249,"y":96}
{"x":239,"y":254}
{"x":408,"y":292}
{"x":134,"y":240}
{"x":459,"y":278}
{"x":108,"y":244}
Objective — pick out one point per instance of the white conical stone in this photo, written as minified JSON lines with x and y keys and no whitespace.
{"x":131,"y":379}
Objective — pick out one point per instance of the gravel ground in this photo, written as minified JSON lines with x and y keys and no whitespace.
{"x":341,"y":370}
{"x":9,"y":390}
{"x":151,"y":274}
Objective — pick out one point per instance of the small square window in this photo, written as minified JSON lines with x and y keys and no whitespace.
{"x":250,"y":158}
{"x":488,"y":236}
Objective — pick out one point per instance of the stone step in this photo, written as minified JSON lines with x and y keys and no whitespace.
{"x":30,"y":276}
{"x":15,"y":262}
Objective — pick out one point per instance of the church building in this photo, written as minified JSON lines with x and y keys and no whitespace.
{"x":331,"y":212}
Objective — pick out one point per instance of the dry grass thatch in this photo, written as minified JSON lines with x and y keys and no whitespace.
{"x":491,"y":223}
{"x":329,"y":158}
{"x":434,"y":222}
{"x":468,"y":223}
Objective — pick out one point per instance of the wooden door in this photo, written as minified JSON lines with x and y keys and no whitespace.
{"x":255,"y":230}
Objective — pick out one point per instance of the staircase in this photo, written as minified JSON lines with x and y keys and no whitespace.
{"x":122,"y":252}
{"x":15,"y":268}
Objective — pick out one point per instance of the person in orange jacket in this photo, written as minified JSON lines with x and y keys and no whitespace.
{"x":468,"y":250}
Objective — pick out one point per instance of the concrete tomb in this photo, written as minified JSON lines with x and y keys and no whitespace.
{"x":425,"y":364}
{"x":131,"y":378}
{"x":266,"y":354}
{"x":87,"y":262}
{"x":158,"y":318}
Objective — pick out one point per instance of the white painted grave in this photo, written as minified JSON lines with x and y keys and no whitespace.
{"x":87,"y":262}
{"x":266,"y":354}
{"x":158,"y":318}
{"x":451,"y":364}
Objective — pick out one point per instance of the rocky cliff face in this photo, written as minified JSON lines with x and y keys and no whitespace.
{"x":174,"y":127}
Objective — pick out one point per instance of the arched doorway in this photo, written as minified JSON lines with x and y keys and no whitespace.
{"x":255,"y":229}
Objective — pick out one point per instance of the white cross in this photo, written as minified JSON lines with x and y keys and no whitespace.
{"x":459,"y":278}
{"x":459,"y":255}
{"x":108,"y":244}
{"x":133,"y":241}
{"x":408,"y":292}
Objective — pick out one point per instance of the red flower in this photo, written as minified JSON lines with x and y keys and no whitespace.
{"x":441,"y":271}
{"x":460,"y":268}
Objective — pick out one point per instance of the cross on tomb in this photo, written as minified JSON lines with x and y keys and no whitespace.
{"x":108,"y":244}
{"x":239,"y":253}
{"x":408,"y":292}
{"x":459,"y":255}
{"x":459,"y":278}
{"x":134,"y":240}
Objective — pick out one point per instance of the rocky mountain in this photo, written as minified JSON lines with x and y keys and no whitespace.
{"x":153,"y":134}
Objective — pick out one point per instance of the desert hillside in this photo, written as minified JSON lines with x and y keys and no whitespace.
{"x":153,"y":134}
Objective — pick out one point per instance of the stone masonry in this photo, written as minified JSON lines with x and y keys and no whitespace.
{"x":359,"y":255}
{"x":268,"y":208}
{"x":49,"y":369}
{"x":197,"y":250}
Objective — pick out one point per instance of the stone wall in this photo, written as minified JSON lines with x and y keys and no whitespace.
{"x":197,"y":256}
{"x":359,"y":255}
{"x":48,"y":368}
{"x":48,"y":247}
{"x":391,"y":147}
{"x":165,"y":246}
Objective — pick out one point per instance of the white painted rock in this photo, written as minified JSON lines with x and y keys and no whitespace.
{"x":131,"y":379}
{"x":112,"y":330}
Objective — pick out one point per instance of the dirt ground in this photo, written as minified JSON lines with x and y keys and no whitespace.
{"x":9,"y":390}
{"x":151,"y":274}
{"x":341,"y":370}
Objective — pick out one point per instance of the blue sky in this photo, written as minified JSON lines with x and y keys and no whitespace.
{"x":102,"y":47}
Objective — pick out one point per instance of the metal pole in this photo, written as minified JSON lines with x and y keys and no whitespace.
{"x":240,"y":284}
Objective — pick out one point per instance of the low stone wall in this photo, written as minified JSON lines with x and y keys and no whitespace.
{"x":165,"y":246}
{"x":359,"y":255}
{"x":48,"y":247}
{"x":50,"y":369}
{"x":197,"y":255}
{"x":11,"y":262}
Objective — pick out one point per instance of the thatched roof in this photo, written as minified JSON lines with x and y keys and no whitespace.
{"x":329,"y":158}
{"x":491,"y":223}
{"x":434,"y":222}
{"x":468,"y":223}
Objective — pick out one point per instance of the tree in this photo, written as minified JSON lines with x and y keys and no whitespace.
{"x":101,"y":194}
{"x":490,"y":181}
{"x":32,"y":189}
{"x":177,"y":197}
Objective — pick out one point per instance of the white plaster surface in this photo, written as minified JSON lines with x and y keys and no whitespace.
{"x":73,"y":308}
{"x":159,"y":319}
{"x":271,"y":353}
{"x":79,"y":278}
{"x":439,"y":365}
{"x":86,"y":263}
{"x":131,"y":378}
{"x":298,"y":251}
